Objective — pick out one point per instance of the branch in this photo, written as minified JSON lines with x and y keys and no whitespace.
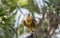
{"x":53,"y":24}
{"x":38,"y":32}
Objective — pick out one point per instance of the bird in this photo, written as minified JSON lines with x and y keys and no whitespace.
{"x":30,"y":22}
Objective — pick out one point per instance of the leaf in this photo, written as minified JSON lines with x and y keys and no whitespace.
{"x":21,"y":29}
{"x":31,"y":6}
{"x":47,"y":3}
{"x":23,"y":2}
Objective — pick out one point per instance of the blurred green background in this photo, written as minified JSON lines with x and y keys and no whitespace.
{"x":12,"y":11}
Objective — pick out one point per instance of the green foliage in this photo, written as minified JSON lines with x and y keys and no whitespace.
{"x":8,"y":6}
{"x":21,"y":29}
{"x":7,"y":21}
{"x":23,"y":2}
{"x":53,"y":6}
{"x":44,"y":25}
{"x":29,"y":4}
